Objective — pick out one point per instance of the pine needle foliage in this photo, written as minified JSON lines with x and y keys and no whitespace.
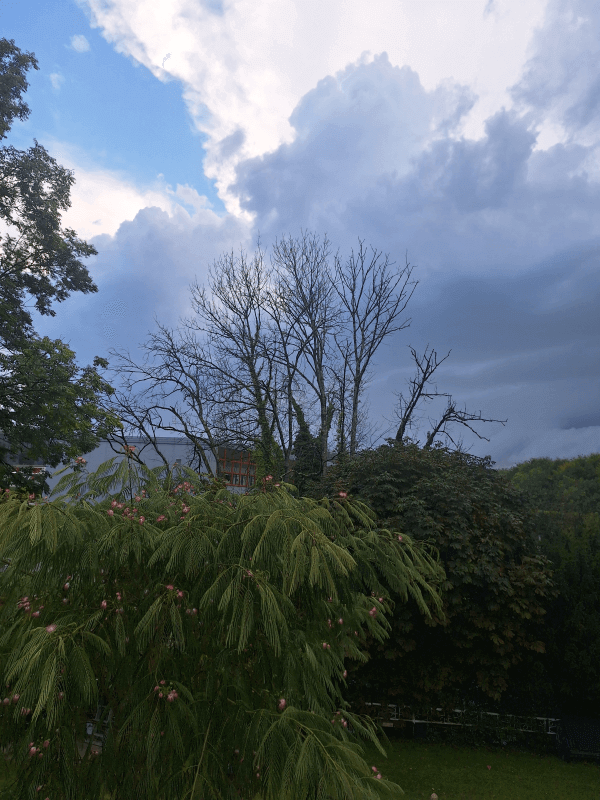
{"x":209,"y":629}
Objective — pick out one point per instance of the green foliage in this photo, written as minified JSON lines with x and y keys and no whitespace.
{"x":224,"y":604}
{"x":13,"y":65}
{"x":44,"y":412}
{"x":496,"y":586}
{"x":566,"y":496}
{"x":308,"y":465}
{"x":51,"y":409}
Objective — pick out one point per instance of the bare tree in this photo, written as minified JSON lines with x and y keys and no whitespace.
{"x":450,"y":415}
{"x":369,"y":297}
{"x":312,"y":317}
{"x":296,"y":338}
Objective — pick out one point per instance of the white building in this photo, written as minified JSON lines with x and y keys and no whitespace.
{"x":236,"y":466}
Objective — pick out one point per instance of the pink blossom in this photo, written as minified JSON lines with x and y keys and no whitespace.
{"x":374,"y":769}
{"x":379,"y":775}
{"x":160,"y":519}
{"x":51,"y":628}
{"x":324,"y":645}
{"x":399,"y":538}
{"x":16,"y":698}
{"x":6,"y":701}
{"x":345,"y":673}
{"x":32,"y":751}
{"x":61,"y":695}
{"x":66,"y":586}
{"x":373,"y":612}
{"x":35,"y":614}
{"x":160,"y":694}
{"x":489,"y":766}
{"x":110,"y":512}
{"x":340,"y":621}
{"x":170,"y":587}
{"x":162,"y":683}
{"x":343,"y":494}
{"x":142,"y":520}
{"x":179,"y":594}
{"x":345,"y":724}
{"x":65,"y":601}
{"x":281,"y":704}
{"x":103,"y":604}
{"x":47,"y":743}
{"x":381,"y":599}
{"x":113,"y":504}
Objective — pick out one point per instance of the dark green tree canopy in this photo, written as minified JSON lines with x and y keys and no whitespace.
{"x":496,"y":579}
{"x":44,"y":411}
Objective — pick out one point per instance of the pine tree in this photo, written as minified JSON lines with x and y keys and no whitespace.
{"x":211,"y":628}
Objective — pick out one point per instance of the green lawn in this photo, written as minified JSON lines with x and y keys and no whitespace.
{"x":461,"y":773}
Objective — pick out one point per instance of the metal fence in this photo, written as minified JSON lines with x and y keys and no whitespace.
{"x":574,"y":736}
{"x":391,"y":714}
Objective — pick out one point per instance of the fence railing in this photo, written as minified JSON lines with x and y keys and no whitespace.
{"x":391,"y":714}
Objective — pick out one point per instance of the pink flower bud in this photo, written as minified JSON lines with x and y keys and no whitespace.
{"x":381,"y":599}
{"x":373,"y":612}
{"x":66,"y":586}
{"x":113,"y":504}
{"x":179,"y":594}
{"x":194,"y":610}
{"x":374,"y":769}
{"x":103,"y":604}
{"x":110,"y":512}
{"x":345,"y":724}
{"x":340,"y":621}
{"x":345,"y":673}
{"x":162,"y":683}
{"x":51,"y":628}
{"x":142,"y":520}
{"x":399,"y":538}
{"x":6,"y":701}
{"x":324,"y":645}
{"x":35,"y":614}
{"x":16,"y":698}
{"x":282,"y":704}
{"x":65,"y":601}
{"x":343,"y":494}
{"x":170,"y":587}
{"x":47,"y":743}
{"x":32,"y":751}
{"x":160,"y":694}
{"x":379,"y":776}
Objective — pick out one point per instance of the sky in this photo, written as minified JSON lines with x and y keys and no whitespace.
{"x":463,"y":135}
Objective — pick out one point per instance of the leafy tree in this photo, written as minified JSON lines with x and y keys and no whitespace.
{"x":212,"y":628}
{"x":496,"y":583}
{"x":308,"y":466}
{"x":43,"y":410}
{"x":566,"y":497}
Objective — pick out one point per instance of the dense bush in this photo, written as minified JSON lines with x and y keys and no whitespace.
{"x":217,"y":629}
{"x":497,"y":585}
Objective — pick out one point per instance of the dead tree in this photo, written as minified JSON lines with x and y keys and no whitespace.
{"x":369,"y":296}
{"x":417,"y":392}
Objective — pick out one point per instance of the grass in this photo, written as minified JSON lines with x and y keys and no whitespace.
{"x":457,"y":772}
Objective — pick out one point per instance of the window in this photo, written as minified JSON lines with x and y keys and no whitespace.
{"x":237,"y":467}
